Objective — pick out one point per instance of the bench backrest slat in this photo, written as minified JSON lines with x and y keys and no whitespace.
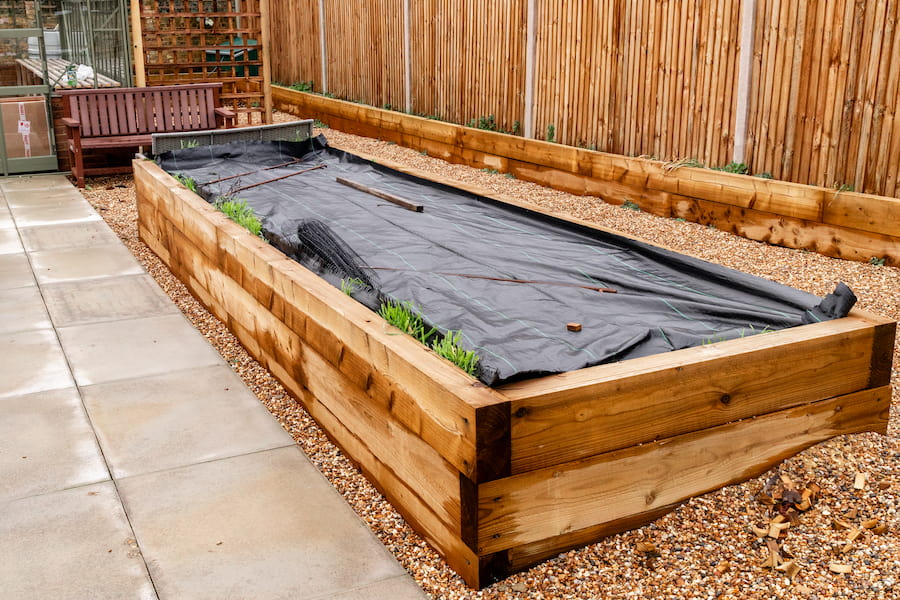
{"x":133,"y":111}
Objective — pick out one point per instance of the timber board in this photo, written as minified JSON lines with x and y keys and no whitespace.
{"x":845,"y":225}
{"x":459,"y":460}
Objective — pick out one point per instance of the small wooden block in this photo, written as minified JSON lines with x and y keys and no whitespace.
{"x":573,"y":326}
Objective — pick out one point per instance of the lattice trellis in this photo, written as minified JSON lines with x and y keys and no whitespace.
{"x":189,"y":41}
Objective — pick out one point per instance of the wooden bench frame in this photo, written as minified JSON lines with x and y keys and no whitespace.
{"x":102,"y":119}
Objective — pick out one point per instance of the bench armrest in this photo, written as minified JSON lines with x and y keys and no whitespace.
{"x":224,"y":117}
{"x":70,"y":122}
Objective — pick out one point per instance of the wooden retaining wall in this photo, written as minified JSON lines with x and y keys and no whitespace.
{"x":497,"y":480}
{"x":846,"y":225}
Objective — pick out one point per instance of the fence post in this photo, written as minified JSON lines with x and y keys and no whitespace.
{"x":137,"y":44}
{"x":407,"y":59}
{"x":745,"y":67}
{"x":530,"y":42}
{"x":323,"y":49}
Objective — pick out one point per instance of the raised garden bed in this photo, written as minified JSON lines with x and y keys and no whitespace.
{"x":499,"y":478}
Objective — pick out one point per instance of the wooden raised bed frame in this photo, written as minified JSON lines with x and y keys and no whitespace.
{"x":498,"y":479}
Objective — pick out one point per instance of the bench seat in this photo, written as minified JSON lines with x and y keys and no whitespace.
{"x":103,"y":119}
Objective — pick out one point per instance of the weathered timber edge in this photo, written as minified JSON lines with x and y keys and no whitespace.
{"x":835,"y":223}
{"x":497,"y":480}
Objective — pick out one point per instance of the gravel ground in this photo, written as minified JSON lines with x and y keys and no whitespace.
{"x":720,"y":545}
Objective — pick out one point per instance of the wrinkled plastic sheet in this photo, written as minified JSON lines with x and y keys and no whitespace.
{"x":464,"y":260}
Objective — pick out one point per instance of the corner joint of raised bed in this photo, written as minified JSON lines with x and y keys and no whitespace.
{"x":882,"y":354}
{"x":493,"y":436}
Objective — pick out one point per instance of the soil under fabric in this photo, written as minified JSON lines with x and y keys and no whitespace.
{"x":509,"y":279}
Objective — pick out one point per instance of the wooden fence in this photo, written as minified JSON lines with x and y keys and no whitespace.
{"x":813,"y":80}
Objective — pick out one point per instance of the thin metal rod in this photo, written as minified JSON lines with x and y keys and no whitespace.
{"x":247,"y":187}
{"x":296,"y":160}
{"x":503,"y":279}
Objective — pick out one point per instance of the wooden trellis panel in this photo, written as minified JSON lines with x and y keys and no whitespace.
{"x":189,"y":41}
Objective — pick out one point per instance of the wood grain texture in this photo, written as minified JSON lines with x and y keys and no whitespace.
{"x":591,"y":411}
{"x":564,"y":498}
{"x":844,"y":225}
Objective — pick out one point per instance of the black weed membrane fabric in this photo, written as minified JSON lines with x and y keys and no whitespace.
{"x":509,"y":279}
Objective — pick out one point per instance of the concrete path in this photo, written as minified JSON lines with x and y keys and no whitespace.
{"x":133,"y":462}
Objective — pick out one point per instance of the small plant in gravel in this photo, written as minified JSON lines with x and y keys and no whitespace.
{"x":449,"y":347}
{"x":490,"y":171}
{"x":320,"y":124}
{"x":878,"y":262}
{"x":237,"y":210}
{"x":302,"y":86}
{"x":631,"y":205}
{"x":733,"y":167}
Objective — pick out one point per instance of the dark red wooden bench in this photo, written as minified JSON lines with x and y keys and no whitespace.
{"x":127,"y":117}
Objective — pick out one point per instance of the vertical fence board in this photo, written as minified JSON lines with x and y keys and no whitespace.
{"x":634,"y":77}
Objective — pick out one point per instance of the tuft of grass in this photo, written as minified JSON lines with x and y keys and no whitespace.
{"x":189,"y":144}
{"x":878,"y":262}
{"x":510,"y":176}
{"x":631,"y":205}
{"x":302,"y":86}
{"x":187,"y":182}
{"x":320,"y":124}
{"x":348,"y":286}
{"x":734,"y":167}
{"x":764,"y":175}
{"x":403,"y":316}
{"x":448,"y":346}
{"x":490,"y":171}
{"x":237,"y":210}
{"x":844,"y":187}
{"x":681,"y":219}
{"x":551,"y":133}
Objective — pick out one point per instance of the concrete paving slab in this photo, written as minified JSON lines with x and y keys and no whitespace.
{"x":91,"y":301}
{"x":60,"y":237}
{"x":15,"y":272}
{"x":36,"y":183}
{"x":32,"y":362}
{"x":177,"y":419}
{"x":264,"y":525}
{"x":54,"y":266}
{"x":47,"y":444}
{"x":6,"y":220}
{"x":9,"y":241}
{"x":73,"y":544}
{"x":52,"y":196}
{"x":22,"y":309}
{"x":398,"y":588}
{"x":117,"y":350}
{"x":39,"y":214}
